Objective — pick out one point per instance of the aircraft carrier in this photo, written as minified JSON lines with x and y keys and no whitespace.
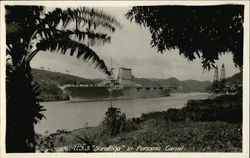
{"x":119,"y":85}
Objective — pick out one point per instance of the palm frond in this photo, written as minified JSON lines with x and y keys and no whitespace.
{"x":63,"y":44}
{"x":81,"y":36}
{"x":90,"y":35}
{"x":91,"y":17}
{"x":83,"y":17}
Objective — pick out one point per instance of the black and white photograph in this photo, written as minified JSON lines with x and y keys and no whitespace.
{"x":164,"y":77}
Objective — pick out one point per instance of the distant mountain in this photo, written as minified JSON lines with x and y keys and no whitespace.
{"x":49,"y":83}
{"x":146,"y":82}
{"x":59,"y":78}
{"x":195,"y":86}
{"x":182,"y":86}
{"x":235,"y":79}
{"x":174,"y":82}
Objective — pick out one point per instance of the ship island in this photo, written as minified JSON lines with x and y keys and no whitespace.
{"x":119,"y":85}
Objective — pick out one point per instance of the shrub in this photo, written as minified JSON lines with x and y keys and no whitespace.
{"x":116,"y":123}
{"x":223,"y":108}
{"x":113,"y":121}
{"x":176,"y":115}
{"x":45,"y":144}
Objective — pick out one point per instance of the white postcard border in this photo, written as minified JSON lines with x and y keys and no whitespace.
{"x":245,"y":147}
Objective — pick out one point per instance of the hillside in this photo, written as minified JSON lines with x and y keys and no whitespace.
{"x":195,"y":86}
{"x":182,"y":86}
{"x":50,"y":81}
{"x":174,"y":82}
{"x":235,"y":79}
{"x":59,"y":78}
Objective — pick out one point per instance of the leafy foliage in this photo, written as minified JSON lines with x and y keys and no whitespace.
{"x":113,"y":121}
{"x":23,"y":109}
{"x":51,"y":92}
{"x":45,"y":144}
{"x":36,"y":30}
{"x":116,"y":123}
{"x":226,"y":108}
{"x":29,"y":30}
{"x":197,"y":31}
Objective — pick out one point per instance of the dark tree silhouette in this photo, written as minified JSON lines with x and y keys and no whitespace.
{"x":30,"y":30}
{"x":197,"y":31}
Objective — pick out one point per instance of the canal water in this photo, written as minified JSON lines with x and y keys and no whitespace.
{"x":72,"y":115}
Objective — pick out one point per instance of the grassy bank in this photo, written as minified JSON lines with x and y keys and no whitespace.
{"x":201,"y":126}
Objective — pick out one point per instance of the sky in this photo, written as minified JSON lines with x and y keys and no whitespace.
{"x":130,"y":48}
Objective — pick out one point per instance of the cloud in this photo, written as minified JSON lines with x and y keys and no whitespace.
{"x":130,"y":47}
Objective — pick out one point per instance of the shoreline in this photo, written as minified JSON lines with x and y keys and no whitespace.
{"x":175,"y":94}
{"x":191,"y":126}
{"x":163,"y":103}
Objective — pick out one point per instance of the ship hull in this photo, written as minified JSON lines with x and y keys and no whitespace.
{"x":103,"y":93}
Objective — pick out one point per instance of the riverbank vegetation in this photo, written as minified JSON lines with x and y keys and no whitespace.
{"x":210,"y":125}
{"x":51,"y":92}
